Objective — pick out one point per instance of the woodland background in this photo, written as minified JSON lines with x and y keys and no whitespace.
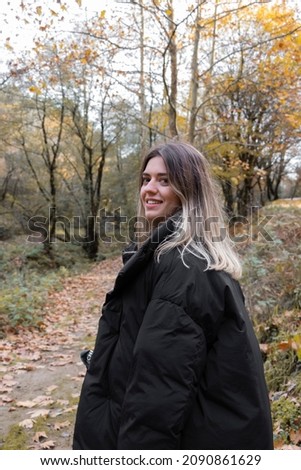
{"x":96,"y":86}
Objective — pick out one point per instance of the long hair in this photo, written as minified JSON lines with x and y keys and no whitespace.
{"x":200,"y":227}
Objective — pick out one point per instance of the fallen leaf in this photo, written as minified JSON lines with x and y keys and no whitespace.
{"x":43,"y":400}
{"x":9,"y":383}
{"x":26,"y":404}
{"x":279,"y":443}
{"x":7,"y":399}
{"x":22,"y":366}
{"x":58,"y":426}
{"x":39,"y":436}
{"x":295,"y":436}
{"x":284,"y":345}
{"x":264,"y":347}
{"x":47,"y":445}
{"x":36,"y":356}
{"x":27,"y":423}
{"x":37,"y":413}
{"x":70,"y":409}
{"x":61,"y":363}
{"x":7,"y":377}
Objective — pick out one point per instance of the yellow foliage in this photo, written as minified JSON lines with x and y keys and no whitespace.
{"x":8,"y":45}
{"x":297,"y":345}
{"x":102,"y":14}
{"x":294,"y":119}
{"x":279,"y":21}
{"x":35,"y":90}
{"x":298,"y":38}
{"x":65,"y":173}
{"x":159,"y":120}
{"x":234,"y":180}
{"x":39,"y":10}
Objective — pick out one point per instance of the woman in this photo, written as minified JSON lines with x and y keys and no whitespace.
{"x":176,"y":364}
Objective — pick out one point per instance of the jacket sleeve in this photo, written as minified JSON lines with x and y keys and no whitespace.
{"x":169,"y":356}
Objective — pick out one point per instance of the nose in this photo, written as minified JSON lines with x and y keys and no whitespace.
{"x":151,"y":187}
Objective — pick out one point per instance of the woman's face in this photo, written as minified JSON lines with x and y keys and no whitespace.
{"x":158,"y":198}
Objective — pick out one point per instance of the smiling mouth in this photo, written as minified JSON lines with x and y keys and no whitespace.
{"x":153,"y":201}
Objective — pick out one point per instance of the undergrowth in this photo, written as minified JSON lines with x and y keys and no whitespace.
{"x":28,"y":275}
{"x":272,"y":286}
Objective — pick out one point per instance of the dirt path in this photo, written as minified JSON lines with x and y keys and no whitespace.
{"x":41,"y":373}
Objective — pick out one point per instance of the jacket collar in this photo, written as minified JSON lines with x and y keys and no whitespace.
{"x":135,"y":260}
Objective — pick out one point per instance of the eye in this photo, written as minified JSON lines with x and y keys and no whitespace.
{"x":145,"y":180}
{"x":164,"y":181}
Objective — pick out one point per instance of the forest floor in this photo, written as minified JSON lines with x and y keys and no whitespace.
{"x":41,"y":372}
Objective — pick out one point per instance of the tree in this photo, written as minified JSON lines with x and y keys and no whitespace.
{"x":49,"y":118}
{"x":255,"y":104}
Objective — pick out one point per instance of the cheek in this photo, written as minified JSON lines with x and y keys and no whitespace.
{"x":177,"y":202}
{"x":173,"y":199}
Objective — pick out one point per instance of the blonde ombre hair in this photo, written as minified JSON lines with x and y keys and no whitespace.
{"x":200,"y":226}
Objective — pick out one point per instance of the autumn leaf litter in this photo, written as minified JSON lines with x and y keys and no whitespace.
{"x":41,"y":372}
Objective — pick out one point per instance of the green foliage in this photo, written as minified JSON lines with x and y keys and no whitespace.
{"x":287,"y":418}
{"x":28,"y":275}
{"x":22,"y":301}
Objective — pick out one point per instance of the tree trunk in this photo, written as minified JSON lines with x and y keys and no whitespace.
{"x":194,"y":78}
{"x":91,"y":242}
{"x":244,"y":198}
{"x":172,"y":90}
{"x":143,"y":127}
{"x":229,"y":199}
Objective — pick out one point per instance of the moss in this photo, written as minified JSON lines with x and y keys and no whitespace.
{"x":16,"y":439}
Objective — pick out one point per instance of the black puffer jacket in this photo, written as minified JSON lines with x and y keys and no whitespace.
{"x":176,"y":364}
